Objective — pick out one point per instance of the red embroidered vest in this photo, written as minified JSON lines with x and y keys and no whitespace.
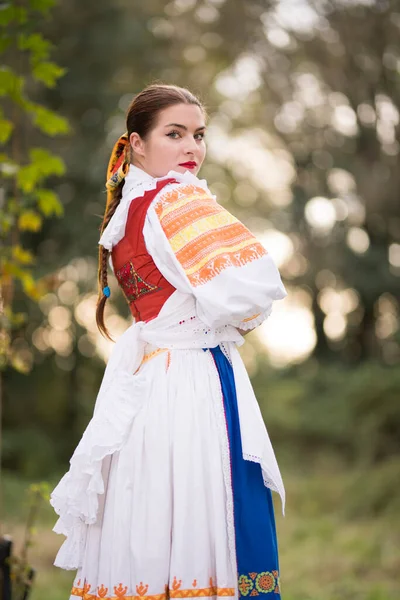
{"x":144,"y":287}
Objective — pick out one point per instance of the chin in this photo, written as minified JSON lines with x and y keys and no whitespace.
{"x":184,"y":169}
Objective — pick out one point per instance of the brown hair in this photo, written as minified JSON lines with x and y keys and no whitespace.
{"x":141,"y":117}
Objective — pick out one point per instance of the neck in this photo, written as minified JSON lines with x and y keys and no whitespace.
{"x":142,"y":168}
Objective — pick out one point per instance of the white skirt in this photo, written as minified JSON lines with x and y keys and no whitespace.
{"x":165,"y":525}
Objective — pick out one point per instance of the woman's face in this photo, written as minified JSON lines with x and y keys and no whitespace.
{"x":175,"y":143}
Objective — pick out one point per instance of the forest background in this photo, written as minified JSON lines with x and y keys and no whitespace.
{"x":303,"y":146}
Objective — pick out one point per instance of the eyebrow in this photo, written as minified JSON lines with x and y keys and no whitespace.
{"x":183,"y":126}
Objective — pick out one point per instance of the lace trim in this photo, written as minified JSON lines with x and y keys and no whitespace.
{"x":73,"y":547}
{"x":226,"y":464}
{"x":272,"y":482}
{"x":268,"y":482}
{"x":115,"y":230}
{"x":192,"y":332}
{"x":225,"y":352}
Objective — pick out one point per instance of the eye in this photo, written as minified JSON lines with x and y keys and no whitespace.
{"x":199,"y":136}
{"x":174,"y":135}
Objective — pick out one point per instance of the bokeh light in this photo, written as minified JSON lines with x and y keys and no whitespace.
{"x":289,"y":336}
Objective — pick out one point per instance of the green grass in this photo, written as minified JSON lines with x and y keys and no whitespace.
{"x":326,"y":551}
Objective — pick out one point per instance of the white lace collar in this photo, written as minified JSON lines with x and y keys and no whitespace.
{"x":137,"y":183}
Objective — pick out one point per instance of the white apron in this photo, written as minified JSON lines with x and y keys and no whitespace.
{"x":186,"y":378}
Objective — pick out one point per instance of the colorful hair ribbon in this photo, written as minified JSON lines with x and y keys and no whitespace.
{"x":118,"y":166}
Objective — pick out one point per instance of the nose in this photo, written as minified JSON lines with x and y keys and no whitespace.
{"x":191,"y":146}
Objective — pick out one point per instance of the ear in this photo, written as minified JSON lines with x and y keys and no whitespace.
{"x":137,"y":144}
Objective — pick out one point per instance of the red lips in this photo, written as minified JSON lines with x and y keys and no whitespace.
{"x":189,"y":165}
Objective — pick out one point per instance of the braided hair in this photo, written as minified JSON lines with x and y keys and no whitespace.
{"x":141,"y":117}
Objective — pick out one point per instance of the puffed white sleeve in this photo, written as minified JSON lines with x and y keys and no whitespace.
{"x":204,"y":250}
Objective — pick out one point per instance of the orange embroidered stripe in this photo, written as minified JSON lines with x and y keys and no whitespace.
{"x":86,"y":596}
{"x":182,"y":208}
{"x":215,"y":266}
{"x":149,"y":356}
{"x":190,"y":213}
{"x":204,"y":236}
{"x":205,"y":247}
{"x":208,"y":251}
{"x":206,"y":225}
{"x":251,"y":318}
{"x":197,"y":203}
{"x":179,"y":196}
{"x":224,"y":251}
{"x":189,"y":593}
{"x":201,"y":593}
{"x":152,"y":354}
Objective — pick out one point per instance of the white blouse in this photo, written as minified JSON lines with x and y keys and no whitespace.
{"x":202,"y":250}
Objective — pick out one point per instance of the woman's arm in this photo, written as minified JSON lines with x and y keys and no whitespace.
{"x":243,"y":332}
{"x":205,"y":251}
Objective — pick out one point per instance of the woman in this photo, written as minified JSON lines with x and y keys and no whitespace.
{"x":169,"y":490}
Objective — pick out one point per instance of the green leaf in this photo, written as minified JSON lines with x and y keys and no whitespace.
{"x":5,"y":41}
{"x":9,"y":13}
{"x":42,"y":6}
{"x":10,"y":83}
{"x":49,"y":203}
{"x":13,"y":207}
{"x":48,"y":73}
{"x":6,"y":222}
{"x":42,"y":165}
{"x":20,"y":15}
{"x":29,"y":220}
{"x":6,"y":128}
{"x":28,"y":177}
{"x":47,"y":121}
{"x":36,"y":44}
{"x":6,"y":14}
{"x":50,"y":164}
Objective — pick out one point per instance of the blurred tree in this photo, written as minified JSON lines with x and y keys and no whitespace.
{"x":303,"y":141}
{"x":90,"y":95}
{"x":323,"y":79}
{"x":24,"y":165}
{"x":314,"y":83}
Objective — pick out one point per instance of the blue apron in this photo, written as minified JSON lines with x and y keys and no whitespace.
{"x":256,"y":542}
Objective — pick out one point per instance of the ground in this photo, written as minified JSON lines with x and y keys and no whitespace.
{"x":325,"y":554}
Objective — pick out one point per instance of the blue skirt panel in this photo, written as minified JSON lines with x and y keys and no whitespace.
{"x":255,"y":533}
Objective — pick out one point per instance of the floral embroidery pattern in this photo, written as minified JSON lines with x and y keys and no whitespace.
{"x":174,"y":591}
{"x":204,"y":236}
{"x":132,"y":284}
{"x":245,"y":585}
{"x":255,"y":584}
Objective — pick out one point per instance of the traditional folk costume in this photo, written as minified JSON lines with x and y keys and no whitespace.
{"x":168,"y":494}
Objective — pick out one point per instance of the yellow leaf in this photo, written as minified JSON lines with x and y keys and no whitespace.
{"x":20,"y":364}
{"x":22,"y":256}
{"x":30,"y":287}
{"x":29,"y":221}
